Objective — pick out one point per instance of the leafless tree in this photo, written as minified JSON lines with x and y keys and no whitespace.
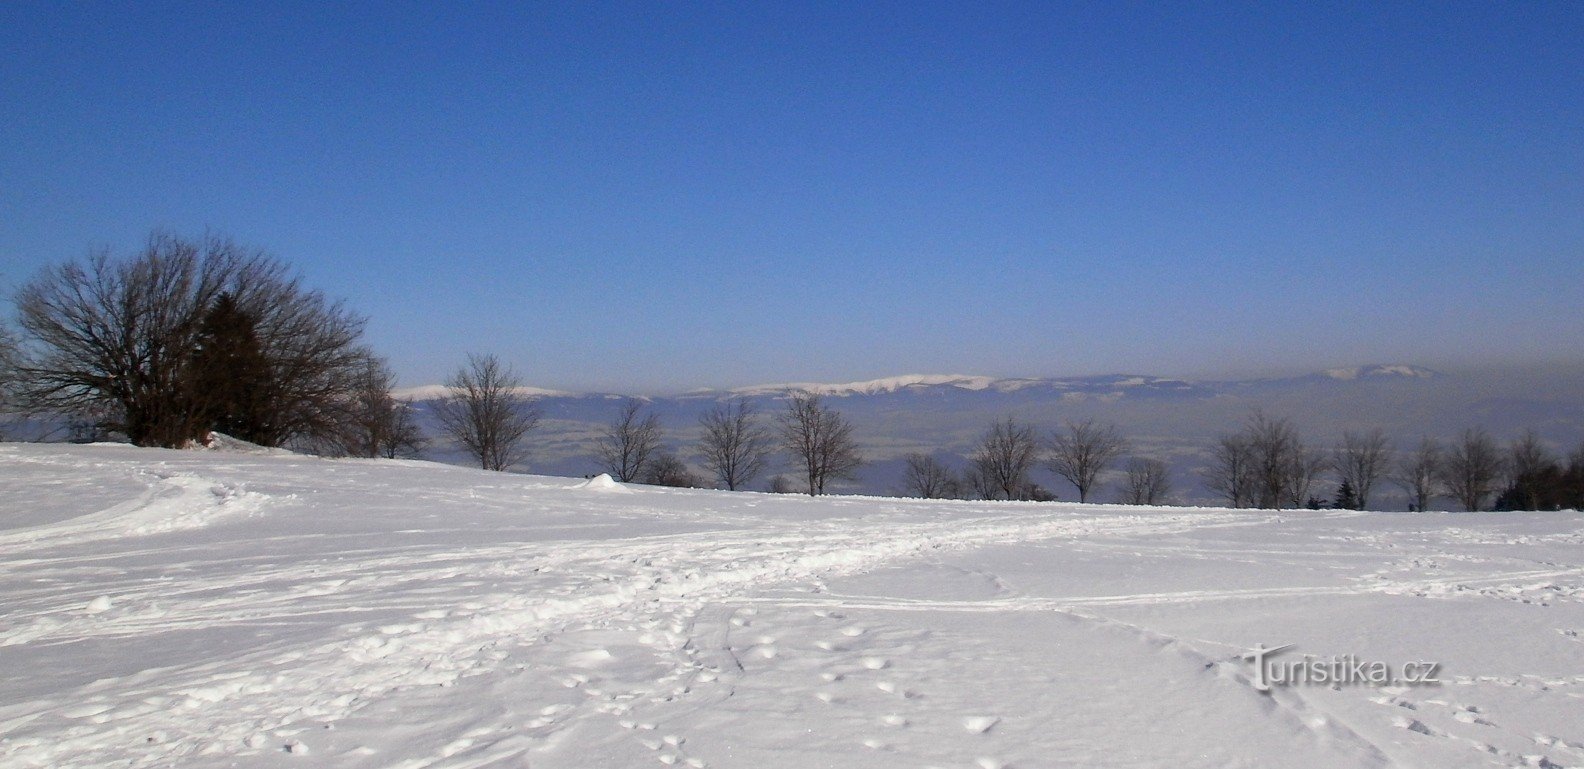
{"x":378,"y":424}
{"x":734,"y":446}
{"x":978,"y":483}
{"x":1472,"y":468}
{"x":1280,"y":462}
{"x":1232,"y":470}
{"x":819,"y":440}
{"x":10,"y":373}
{"x":1419,"y":474}
{"x":780,"y":485}
{"x":1304,"y":468}
{"x":123,"y":333}
{"x":1148,"y":482}
{"x":1083,"y":451}
{"x":1004,"y":457}
{"x":1361,"y":460}
{"x":486,"y":412}
{"x":10,"y":363}
{"x":667,"y":469}
{"x":629,"y":442}
{"x":1528,"y":460}
{"x":928,"y":477}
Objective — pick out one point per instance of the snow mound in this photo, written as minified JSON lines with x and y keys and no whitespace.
{"x":218,"y":441}
{"x":604,"y":483}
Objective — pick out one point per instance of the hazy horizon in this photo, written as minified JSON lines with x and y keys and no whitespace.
{"x":1515,"y":369}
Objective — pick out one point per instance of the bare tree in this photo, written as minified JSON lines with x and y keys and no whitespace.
{"x":10,"y":372}
{"x":780,"y":485}
{"x":928,"y":477}
{"x":1304,"y":468}
{"x":1232,"y":472}
{"x":1419,"y":474}
{"x":1361,"y":460}
{"x":1528,"y":462}
{"x":734,"y":446}
{"x":1004,"y":457}
{"x":486,"y":412}
{"x":1280,"y":462}
{"x":629,"y":442}
{"x":978,"y":483}
{"x":667,"y":469}
{"x":1472,"y":469}
{"x":379,"y":425}
{"x":819,"y":440}
{"x":1148,"y":482}
{"x":10,"y":363}
{"x":1083,"y":451}
{"x":125,"y":333}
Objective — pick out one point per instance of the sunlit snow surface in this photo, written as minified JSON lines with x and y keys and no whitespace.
{"x":213,"y":609}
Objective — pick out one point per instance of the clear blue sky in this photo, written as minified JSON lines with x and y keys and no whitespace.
{"x":657,"y":196}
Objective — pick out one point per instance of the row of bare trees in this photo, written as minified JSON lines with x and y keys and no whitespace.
{"x":735,"y":446}
{"x":1267,"y":465}
{"x":486,"y":412}
{"x":188,"y":336}
{"x":1000,"y":465}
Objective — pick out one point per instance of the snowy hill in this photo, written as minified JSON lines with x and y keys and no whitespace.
{"x":213,"y":608}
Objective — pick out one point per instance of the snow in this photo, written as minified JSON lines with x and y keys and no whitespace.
{"x":215,"y":608}
{"x":872,"y":386}
{"x":436,"y":391}
{"x":603,"y":483}
{"x":1395,"y":370}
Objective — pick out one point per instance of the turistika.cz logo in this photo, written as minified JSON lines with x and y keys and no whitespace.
{"x":1346,"y":670}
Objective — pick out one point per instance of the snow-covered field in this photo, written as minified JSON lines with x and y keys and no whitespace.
{"x":227,"y":609}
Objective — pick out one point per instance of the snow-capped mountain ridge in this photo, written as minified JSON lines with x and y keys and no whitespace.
{"x":1379,"y":371}
{"x":969,"y":383}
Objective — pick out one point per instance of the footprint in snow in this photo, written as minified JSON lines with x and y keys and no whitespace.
{"x":1415,"y":725}
{"x":875,"y":663}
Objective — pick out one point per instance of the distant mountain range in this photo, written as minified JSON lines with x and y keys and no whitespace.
{"x":937,"y":383}
{"x":1169,"y":418}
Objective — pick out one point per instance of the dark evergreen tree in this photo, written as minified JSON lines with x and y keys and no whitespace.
{"x":229,"y":375}
{"x":1346,"y":499}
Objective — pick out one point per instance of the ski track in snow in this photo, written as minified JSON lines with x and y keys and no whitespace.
{"x":213,"y":707}
{"x":711,"y":605}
